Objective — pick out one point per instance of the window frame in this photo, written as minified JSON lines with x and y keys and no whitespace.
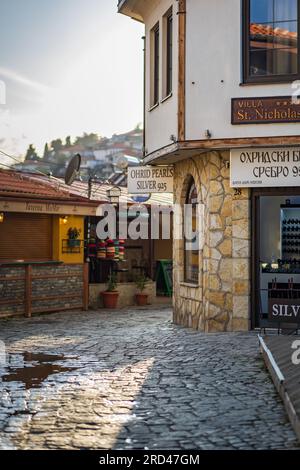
{"x":247,"y":78}
{"x":187,"y":280}
{"x":169,"y":51}
{"x":155,"y":74}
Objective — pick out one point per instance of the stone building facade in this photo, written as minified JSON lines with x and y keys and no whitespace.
{"x":221,"y":79}
{"x":221,"y":300}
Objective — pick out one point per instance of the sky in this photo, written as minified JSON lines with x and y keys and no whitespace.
{"x":67,"y":67}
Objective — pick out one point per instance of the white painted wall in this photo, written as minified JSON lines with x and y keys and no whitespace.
{"x":214,"y":53}
{"x":213,"y":75}
{"x":161,"y":122}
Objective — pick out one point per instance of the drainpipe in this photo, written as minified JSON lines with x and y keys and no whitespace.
{"x":144,"y":98}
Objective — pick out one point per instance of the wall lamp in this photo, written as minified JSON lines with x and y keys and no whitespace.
{"x":64,"y":220}
{"x":1,"y":217}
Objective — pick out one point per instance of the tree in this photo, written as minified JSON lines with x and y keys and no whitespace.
{"x":57,"y":145}
{"x":47,"y":152}
{"x":68,"y":141}
{"x":87,"y":140}
{"x":31,"y":154}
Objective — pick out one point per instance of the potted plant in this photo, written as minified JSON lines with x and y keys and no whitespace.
{"x":111,"y":295}
{"x":74,"y":234}
{"x":141,"y":297}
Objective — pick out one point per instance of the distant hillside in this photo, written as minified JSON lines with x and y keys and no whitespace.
{"x":99,"y":154}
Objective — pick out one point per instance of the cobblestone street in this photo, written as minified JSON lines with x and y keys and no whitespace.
{"x":132,"y":379}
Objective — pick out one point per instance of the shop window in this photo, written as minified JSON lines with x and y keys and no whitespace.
{"x":191,"y":245}
{"x":277,"y":254}
{"x":271,"y":40}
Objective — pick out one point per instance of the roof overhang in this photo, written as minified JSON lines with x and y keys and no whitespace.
{"x":179,"y":151}
{"x":130,"y":8}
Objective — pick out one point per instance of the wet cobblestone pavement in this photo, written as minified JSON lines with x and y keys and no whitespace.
{"x":131,"y":379}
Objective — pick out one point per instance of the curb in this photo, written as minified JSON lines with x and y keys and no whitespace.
{"x":280,"y":384}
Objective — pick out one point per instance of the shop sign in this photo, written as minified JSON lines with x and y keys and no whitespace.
{"x":265,"y":167}
{"x":284,"y":310}
{"x":269,"y":110}
{"x":148,"y":179}
{"x":46,"y":208}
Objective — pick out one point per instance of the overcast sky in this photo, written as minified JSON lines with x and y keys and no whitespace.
{"x":69,"y":66}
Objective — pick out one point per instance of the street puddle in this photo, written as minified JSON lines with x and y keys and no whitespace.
{"x":34,"y":368}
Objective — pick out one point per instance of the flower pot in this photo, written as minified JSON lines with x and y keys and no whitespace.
{"x":110,"y":299}
{"x":141,"y":299}
{"x":73,"y":243}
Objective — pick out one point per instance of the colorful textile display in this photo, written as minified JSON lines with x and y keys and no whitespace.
{"x":101,"y":254}
{"x":117,"y":250}
{"x":110,"y":249}
{"x":121,"y":250}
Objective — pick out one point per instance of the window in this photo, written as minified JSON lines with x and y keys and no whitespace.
{"x":191,"y":248}
{"x":155,"y":65}
{"x":271,"y":40}
{"x":169,"y":52}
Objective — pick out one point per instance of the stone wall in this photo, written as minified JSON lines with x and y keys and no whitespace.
{"x":54,"y":287}
{"x":221,"y":299}
{"x":127,"y":291}
{"x":12,"y":290}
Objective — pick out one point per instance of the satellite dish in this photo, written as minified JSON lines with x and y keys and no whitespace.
{"x":122,"y":163}
{"x":73,"y":169}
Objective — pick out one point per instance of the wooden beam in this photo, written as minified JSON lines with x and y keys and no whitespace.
{"x":227,"y":144}
{"x":55,"y":309}
{"x":12,"y":302}
{"x":181,"y":150}
{"x":56,"y":276}
{"x":181,"y":67}
{"x":55,"y":297}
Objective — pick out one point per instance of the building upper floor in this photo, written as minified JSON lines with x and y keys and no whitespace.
{"x":201,"y":55}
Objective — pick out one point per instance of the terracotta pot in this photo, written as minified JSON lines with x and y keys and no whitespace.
{"x":141,"y":299}
{"x":110,"y":299}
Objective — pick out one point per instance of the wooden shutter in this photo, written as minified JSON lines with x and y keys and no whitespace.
{"x":26,"y":237}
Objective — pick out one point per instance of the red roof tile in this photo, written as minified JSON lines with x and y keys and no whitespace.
{"x":17,"y":184}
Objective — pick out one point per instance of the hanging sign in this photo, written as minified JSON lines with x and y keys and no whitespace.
{"x":37,"y":207}
{"x":265,"y":167}
{"x":150,"y":179}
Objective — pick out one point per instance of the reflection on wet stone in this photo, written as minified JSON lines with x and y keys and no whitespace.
{"x":38,"y":367}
